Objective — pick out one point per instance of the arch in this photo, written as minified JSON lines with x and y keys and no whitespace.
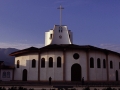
{"x":111,"y":64}
{"x":33,"y":63}
{"x":58,"y":61}
{"x":116,"y":74}
{"x":50,"y":62}
{"x":51,"y":36}
{"x":18,"y":63}
{"x":104,"y":63}
{"x":24,"y":75}
{"x":42,"y":62}
{"x":119,"y":65}
{"x":91,"y":62}
{"x":4,"y":74}
{"x":76,"y":72}
{"x":98,"y":63}
{"x":8,"y":74}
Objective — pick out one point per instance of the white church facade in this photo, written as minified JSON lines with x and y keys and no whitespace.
{"x":62,"y":60}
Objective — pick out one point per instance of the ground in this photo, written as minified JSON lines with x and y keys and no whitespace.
{"x":56,"y":85}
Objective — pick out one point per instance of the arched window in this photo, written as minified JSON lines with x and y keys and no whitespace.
{"x":8,"y":74}
{"x":51,"y":36}
{"x":4,"y":74}
{"x":58,"y":61}
{"x":33,"y":63}
{"x":98,"y":63}
{"x":104,"y":63}
{"x":18,"y":63}
{"x":42,"y":62}
{"x":111,"y":64}
{"x":50,"y":62}
{"x":61,"y":29}
{"x":119,"y":65}
{"x":91,"y":62}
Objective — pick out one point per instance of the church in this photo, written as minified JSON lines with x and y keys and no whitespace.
{"x":64,"y":61}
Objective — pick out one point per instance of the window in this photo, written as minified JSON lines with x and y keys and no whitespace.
{"x":104,"y":63}
{"x":69,"y":35}
{"x":60,"y":29}
{"x":8,"y":74}
{"x":42,"y":62}
{"x":18,"y":63}
{"x":119,"y":65}
{"x":33,"y":63}
{"x":111,"y":64}
{"x":98,"y":63}
{"x":4,"y":74}
{"x":60,"y":36}
{"x":50,"y":36}
{"x":58,"y":61}
{"x":76,"y":56}
{"x":50,"y":62}
{"x":91,"y":62}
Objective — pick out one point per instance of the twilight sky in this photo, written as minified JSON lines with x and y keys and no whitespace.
{"x":23,"y":23}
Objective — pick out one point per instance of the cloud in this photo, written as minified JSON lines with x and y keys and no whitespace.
{"x":113,"y":47}
{"x":19,"y":45}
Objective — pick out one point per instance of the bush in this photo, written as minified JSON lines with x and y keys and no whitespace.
{"x":73,"y":89}
{"x":95,"y":89}
{"x":86,"y":88}
{"x":31,"y":89}
{"x":21,"y":88}
{"x":2,"y":88}
{"x":12,"y":88}
{"x":43,"y":89}
{"x":109,"y":88}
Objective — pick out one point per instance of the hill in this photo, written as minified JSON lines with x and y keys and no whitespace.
{"x":4,"y":55}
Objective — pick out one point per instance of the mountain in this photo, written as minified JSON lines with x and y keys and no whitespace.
{"x":4,"y":55}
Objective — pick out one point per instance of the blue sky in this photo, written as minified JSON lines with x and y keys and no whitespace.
{"x":93,"y":22}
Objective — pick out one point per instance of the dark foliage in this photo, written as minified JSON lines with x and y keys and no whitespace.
{"x":2,"y":88}
{"x":86,"y":88}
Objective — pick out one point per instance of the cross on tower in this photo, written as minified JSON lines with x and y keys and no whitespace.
{"x":60,"y":14}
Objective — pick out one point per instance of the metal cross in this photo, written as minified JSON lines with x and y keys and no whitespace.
{"x":60,"y":14}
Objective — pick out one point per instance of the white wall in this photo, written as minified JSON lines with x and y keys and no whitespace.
{"x":70,"y":61}
{"x":26,"y":63}
{"x":47,"y":37}
{"x":65,"y":39}
{"x":115,"y":59}
{"x":54,"y":72}
{"x":97,"y":74}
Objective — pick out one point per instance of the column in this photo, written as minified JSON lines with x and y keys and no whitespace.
{"x":87,"y":54}
{"x":39,"y":57}
{"x":64,"y":65}
{"x":107,"y":67}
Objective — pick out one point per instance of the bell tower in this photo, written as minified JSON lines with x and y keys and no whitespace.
{"x":59,"y":34}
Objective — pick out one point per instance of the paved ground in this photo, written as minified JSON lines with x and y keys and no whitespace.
{"x":68,"y":87}
{"x":56,"y":85}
